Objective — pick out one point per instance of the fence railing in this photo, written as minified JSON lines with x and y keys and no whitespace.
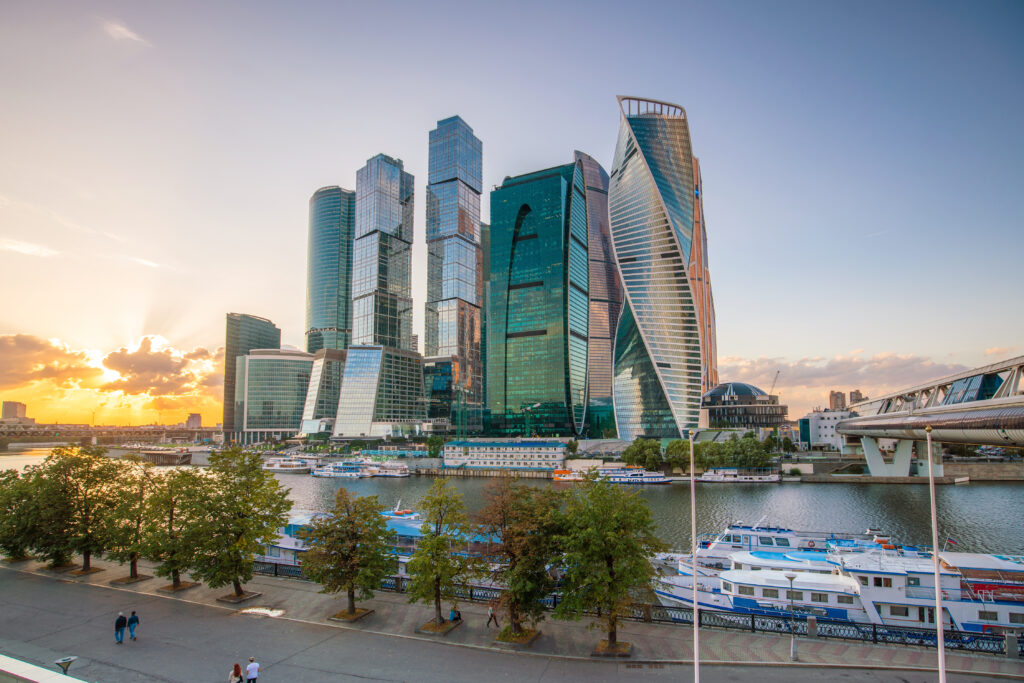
{"x":987,"y":643}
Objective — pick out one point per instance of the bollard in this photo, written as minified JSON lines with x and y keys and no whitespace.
{"x":1011,"y":645}
{"x":812,"y":627}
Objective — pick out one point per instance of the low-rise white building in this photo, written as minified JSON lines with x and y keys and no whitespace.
{"x":509,"y":454}
{"x":818,"y":429}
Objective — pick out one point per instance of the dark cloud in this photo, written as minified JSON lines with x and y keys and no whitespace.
{"x":26,"y":358}
{"x":145,"y":371}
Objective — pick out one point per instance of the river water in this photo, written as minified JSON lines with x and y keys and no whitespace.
{"x":981,"y":517}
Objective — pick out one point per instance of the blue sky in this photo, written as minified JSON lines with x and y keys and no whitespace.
{"x":861,"y":161}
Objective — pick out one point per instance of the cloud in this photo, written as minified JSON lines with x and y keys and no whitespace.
{"x":144,"y":262}
{"x":1000,"y":350}
{"x":148,"y":371}
{"x":119,"y":31}
{"x":25,"y":358}
{"x":26,"y":248}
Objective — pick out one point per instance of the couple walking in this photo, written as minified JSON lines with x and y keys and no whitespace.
{"x":120,"y":623}
{"x":252,"y":672}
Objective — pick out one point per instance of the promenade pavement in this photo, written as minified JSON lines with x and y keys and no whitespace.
{"x":189,"y":636}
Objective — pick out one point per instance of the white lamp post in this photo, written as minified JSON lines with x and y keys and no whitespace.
{"x":792,"y":631}
{"x":939,"y":630}
{"x":693,"y":568}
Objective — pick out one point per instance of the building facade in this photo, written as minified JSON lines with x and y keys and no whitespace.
{"x":818,"y":429}
{"x":329,"y":269}
{"x":321,"y":405}
{"x":743,"y":406}
{"x":538,"y":314}
{"x":270,"y":393}
{"x":13,"y":410}
{"x":665,"y":357}
{"x":381,"y":393}
{"x":510,"y":454}
{"x":244,"y":333}
{"x":194,"y":421}
{"x":836,"y":400}
{"x":454,"y":271}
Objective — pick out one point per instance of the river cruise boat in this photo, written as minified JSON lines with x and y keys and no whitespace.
{"x":286,"y":466}
{"x":567,"y":476}
{"x":631,"y":474}
{"x":736,"y":475}
{"x":392,"y":469}
{"x":342,"y":470}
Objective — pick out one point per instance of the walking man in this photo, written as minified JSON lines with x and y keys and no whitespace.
{"x":252,"y":671}
{"x":491,"y":616}
{"x":119,"y":625}
{"x":133,"y":621}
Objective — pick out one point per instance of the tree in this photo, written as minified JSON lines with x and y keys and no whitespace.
{"x":349,"y":550}
{"x":128,"y":518}
{"x":787,"y":445}
{"x":435,"y":568}
{"x":526,"y":524}
{"x":172,"y":510}
{"x":609,"y":534}
{"x":434,"y":446}
{"x":677,"y":454}
{"x":245,"y":508}
{"x":572,"y":446}
{"x":640,"y":451}
{"x":16,"y":495}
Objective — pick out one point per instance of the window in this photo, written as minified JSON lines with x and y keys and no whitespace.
{"x":739,"y":565}
{"x":1017,"y":617}
{"x":782,"y":542}
{"x":746,"y":590}
{"x":863,"y":580}
{"x":844,"y":599}
{"x":795,"y":595}
{"x":898,"y":610}
{"x":819,"y":597}
{"x":887,"y":582}
{"x":726,"y":587}
{"x":913,"y":581}
{"x":881,"y":581}
{"x":765,"y":540}
{"x":770,"y":592}
{"x":985,"y":615}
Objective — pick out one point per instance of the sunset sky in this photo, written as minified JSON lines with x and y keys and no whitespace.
{"x":862,"y":168}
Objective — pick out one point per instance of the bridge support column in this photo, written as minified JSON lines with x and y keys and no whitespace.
{"x":900,"y":465}
{"x":923,"y":454}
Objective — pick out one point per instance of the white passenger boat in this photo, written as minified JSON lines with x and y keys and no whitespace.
{"x":286,"y":465}
{"x":341,"y":470}
{"x":631,"y":474}
{"x":736,"y":475}
{"x":392,"y":469}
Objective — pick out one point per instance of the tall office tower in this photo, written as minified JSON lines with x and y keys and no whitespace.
{"x":605,"y":301}
{"x":382,"y":384}
{"x":836,"y":400}
{"x":244,"y":333}
{"x":13,"y":410}
{"x":329,"y":269}
{"x":538,"y":319}
{"x":321,"y":404}
{"x":270,"y":393}
{"x":665,"y":338}
{"x":454,"y":273}
{"x":485,"y":296}
{"x":857,"y":397}
{"x":382,"y":255}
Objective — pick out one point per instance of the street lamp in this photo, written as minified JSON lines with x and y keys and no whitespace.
{"x":693,"y":568}
{"x":792,"y":631}
{"x":939,"y":631}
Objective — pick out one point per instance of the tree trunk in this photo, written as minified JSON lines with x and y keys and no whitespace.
{"x":238,"y":587}
{"x":513,"y":617}
{"x":438,"y":619}
{"x":351,"y":600}
{"x":133,"y":566}
{"x":613,"y":632}
{"x":175,"y":578}
{"x":86,"y":560}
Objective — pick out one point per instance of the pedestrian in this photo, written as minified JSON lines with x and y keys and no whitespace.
{"x":236,"y":674}
{"x":133,"y":621}
{"x":119,"y":625}
{"x":491,"y":616}
{"x":252,"y":671}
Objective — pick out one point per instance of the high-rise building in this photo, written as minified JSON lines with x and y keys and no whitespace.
{"x":13,"y":410}
{"x":857,"y":397}
{"x":665,"y":347}
{"x":244,"y":333}
{"x":485,"y":297}
{"x":454,"y":271}
{"x":605,"y":301}
{"x":538,"y":319}
{"x":270,"y":393}
{"x":382,"y":384}
{"x":329,"y":269}
{"x":194,"y":421}
{"x":321,"y":406}
{"x":836,"y":400}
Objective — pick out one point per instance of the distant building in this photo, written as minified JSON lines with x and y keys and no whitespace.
{"x":321,"y":405}
{"x":836,"y":400}
{"x":194,"y":421}
{"x":818,"y":429}
{"x":505,"y":454}
{"x":270,"y":393}
{"x":857,"y":397}
{"x":332,"y":214}
{"x":739,"y":405}
{"x":13,"y":410}
{"x":244,"y":333}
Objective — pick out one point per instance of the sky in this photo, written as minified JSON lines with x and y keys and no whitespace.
{"x":862,"y":171}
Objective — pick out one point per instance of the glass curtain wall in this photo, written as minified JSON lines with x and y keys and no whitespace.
{"x":329,"y":269}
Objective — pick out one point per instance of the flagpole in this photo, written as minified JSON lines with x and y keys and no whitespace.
{"x":940,"y":632}
{"x":693,"y":568}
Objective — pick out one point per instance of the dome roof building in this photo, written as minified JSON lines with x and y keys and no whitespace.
{"x":741,"y":405}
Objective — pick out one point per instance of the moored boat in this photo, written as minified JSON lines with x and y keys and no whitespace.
{"x":286,"y":465}
{"x":737,"y":475}
{"x":631,"y":474}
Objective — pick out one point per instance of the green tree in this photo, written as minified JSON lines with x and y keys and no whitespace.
{"x":16,"y":514}
{"x":677,"y":454}
{"x":640,"y":451}
{"x":434,"y":446}
{"x":609,"y":534}
{"x":128,"y":518}
{"x":349,"y":550}
{"x":572,"y":446}
{"x":435,"y":568}
{"x":173,"y":511}
{"x":787,"y":445}
{"x":525,"y":522}
{"x":244,"y":509}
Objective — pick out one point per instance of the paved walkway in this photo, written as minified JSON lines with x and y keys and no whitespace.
{"x":32,"y":596}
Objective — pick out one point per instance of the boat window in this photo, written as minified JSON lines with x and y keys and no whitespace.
{"x":844,"y":599}
{"x":819,"y":597}
{"x":887,"y":582}
{"x":784,"y":542}
{"x":769,"y":592}
{"x":739,"y":566}
{"x":1017,"y":617}
{"x":746,"y":590}
{"x":913,"y":581}
{"x":863,"y":580}
{"x":766,"y":540}
{"x":986,"y":615}
{"x":898,"y":610}
{"x":746,"y":539}
{"x":726,"y":587}
{"x":795,"y":595}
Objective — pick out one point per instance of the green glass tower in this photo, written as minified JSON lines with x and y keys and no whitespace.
{"x":332,"y":215}
{"x":244,"y":333}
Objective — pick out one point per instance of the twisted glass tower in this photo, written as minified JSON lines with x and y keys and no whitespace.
{"x":665,"y":339}
{"x":329,"y":269}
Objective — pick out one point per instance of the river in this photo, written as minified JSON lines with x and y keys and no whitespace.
{"x":980,"y":517}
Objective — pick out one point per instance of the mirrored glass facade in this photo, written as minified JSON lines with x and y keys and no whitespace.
{"x":270,"y":393}
{"x":454,"y":269}
{"x":538,"y":314}
{"x":381,"y":393}
{"x":243,"y":334}
{"x":664,"y":345}
{"x":329,"y":269}
{"x":324,"y":387}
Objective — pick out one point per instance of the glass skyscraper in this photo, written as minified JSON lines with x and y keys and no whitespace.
{"x":381,"y":393}
{"x":244,"y":333}
{"x":329,"y":269}
{"x":537,"y":325}
{"x":665,"y":339}
{"x":270,"y":393}
{"x":454,"y":273}
{"x":321,"y":404}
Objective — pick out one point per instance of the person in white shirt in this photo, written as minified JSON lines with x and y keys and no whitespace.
{"x":252,"y":671}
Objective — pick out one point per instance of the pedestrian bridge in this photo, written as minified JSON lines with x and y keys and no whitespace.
{"x":983,"y":406}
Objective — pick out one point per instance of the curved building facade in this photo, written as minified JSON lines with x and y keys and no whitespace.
{"x":329,"y":269}
{"x":665,"y":339}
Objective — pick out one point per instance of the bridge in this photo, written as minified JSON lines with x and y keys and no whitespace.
{"x":983,"y":406}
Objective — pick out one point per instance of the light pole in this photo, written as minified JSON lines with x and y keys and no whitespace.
{"x":792,"y":630}
{"x":939,"y":631}
{"x":693,"y":568}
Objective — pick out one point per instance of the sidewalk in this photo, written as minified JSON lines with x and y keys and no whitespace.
{"x":393,"y":616}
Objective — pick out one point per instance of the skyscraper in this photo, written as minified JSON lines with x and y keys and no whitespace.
{"x":244,"y":333}
{"x":538,"y":319}
{"x":329,"y":269}
{"x":454,"y":273}
{"x":270,"y":393}
{"x":321,"y":404}
{"x":665,"y":357}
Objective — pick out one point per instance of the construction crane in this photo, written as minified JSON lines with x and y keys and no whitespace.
{"x":772,"y":390}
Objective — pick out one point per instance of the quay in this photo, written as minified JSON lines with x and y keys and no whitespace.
{"x":189,"y":636}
